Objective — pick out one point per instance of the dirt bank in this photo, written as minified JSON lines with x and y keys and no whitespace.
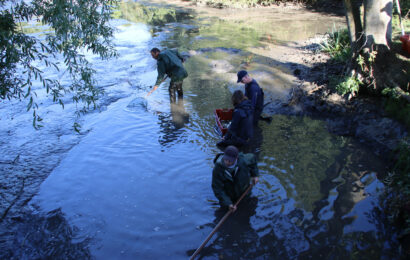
{"x":362,"y":118}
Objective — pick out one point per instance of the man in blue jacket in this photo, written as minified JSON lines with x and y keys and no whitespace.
{"x":169,"y":63}
{"x":254,"y":93}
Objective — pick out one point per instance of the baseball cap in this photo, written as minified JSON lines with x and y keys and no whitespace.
{"x":231,"y":153}
{"x":241,"y":74}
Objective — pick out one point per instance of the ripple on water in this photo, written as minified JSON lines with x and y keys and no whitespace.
{"x":139,"y":183}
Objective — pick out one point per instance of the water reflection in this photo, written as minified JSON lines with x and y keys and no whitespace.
{"x":256,"y":142}
{"x":172,"y":123}
{"x":43,"y":236}
{"x":236,"y":238}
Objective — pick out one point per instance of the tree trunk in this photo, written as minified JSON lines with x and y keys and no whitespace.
{"x":377,"y":22}
{"x":354,"y":23}
{"x":378,"y":31}
{"x":371,"y":39}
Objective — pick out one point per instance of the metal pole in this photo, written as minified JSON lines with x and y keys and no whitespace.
{"x":219,"y":224}
{"x":399,"y":11}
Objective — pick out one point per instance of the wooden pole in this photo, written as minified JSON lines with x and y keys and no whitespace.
{"x":219,"y":224}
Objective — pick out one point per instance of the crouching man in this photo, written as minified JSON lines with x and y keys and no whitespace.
{"x":232,"y":175}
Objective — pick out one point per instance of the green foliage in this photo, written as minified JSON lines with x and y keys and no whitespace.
{"x":402,"y":166}
{"x":348,"y":85}
{"x":337,"y":45}
{"x":74,"y":26}
{"x":396,"y":107}
{"x":404,"y":7}
{"x":398,"y":192}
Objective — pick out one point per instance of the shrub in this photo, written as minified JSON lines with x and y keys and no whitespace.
{"x":349,"y":85}
{"x":337,"y":45}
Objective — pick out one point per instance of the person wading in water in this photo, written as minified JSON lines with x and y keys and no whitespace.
{"x":254,"y":93}
{"x":240,"y":131}
{"x":232,"y":175}
{"x":169,"y":62}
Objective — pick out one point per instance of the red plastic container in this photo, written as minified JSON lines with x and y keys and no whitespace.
{"x":405,"y":39}
{"x":222,"y":118}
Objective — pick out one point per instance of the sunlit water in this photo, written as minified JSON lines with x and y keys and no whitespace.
{"x":138,"y":185}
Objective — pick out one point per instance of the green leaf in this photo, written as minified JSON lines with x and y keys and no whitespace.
{"x":30,"y":104}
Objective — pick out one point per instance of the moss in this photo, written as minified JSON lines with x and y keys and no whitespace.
{"x":136,"y":12}
{"x":398,"y":192}
{"x":398,"y":109}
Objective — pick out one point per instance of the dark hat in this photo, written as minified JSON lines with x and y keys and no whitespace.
{"x":231,"y":153}
{"x":241,"y":74}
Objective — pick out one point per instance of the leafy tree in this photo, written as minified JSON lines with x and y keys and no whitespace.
{"x":75,"y":26}
{"x":370,"y":28}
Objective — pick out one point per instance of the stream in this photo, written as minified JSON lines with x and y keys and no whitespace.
{"x":136,"y":182}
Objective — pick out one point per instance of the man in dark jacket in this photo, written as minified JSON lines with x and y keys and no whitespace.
{"x":232,"y":174}
{"x":240,"y":131}
{"x":253,"y":92}
{"x":169,"y":62}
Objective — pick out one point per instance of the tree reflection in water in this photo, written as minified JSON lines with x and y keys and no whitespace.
{"x":235,"y":238}
{"x":42,"y":236}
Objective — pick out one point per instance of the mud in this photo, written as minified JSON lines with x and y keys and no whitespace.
{"x":361,"y":118}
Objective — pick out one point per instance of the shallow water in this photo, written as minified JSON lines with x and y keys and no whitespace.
{"x":138,"y":184}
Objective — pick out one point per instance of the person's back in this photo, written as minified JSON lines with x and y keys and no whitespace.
{"x":169,"y":62}
{"x":255,"y":93}
{"x":172,"y":62}
{"x":240,"y":131}
{"x":242,"y":121}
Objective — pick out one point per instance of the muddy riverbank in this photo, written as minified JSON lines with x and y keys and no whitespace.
{"x":363,"y":118}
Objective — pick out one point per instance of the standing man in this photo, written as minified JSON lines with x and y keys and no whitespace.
{"x":169,"y":62}
{"x":232,"y":174}
{"x":253,"y":92}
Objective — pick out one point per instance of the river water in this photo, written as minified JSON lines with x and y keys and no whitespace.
{"x":137,"y":184}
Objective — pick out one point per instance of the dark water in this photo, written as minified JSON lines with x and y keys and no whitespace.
{"x":138,"y":185}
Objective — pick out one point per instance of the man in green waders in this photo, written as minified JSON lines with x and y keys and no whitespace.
{"x":232,"y":175}
{"x":169,"y":62}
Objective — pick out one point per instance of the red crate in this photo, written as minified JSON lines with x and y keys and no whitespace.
{"x":405,"y":39}
{"x":220,"y":116}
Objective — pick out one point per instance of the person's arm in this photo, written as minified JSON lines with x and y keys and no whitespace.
{"x":161,"y":76}
{"x":218,"y":189}
{"x":161,"y":72}
{"x":252,"y":164}
{"x":234,"y":126}
{"x":254,"y":94}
